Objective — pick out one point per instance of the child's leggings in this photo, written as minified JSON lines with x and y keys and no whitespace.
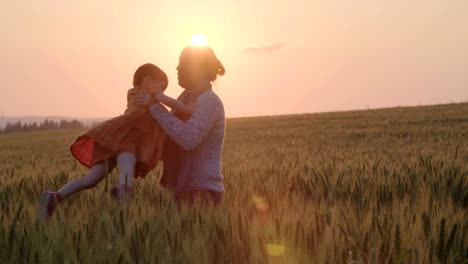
{"x":126,"y":162}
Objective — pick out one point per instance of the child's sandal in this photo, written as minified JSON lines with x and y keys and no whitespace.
{"x":121,"y":192}
{"x":48,"y":204}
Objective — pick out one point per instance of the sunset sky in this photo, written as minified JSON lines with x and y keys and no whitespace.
{"x":77,"y":58}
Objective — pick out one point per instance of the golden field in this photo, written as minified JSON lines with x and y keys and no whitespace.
{"x":374,"y":186}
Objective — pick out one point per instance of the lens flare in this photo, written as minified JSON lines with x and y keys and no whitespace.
{"x":260,"y":203}
{"x":198,"y":40}
{"x":276,"y":250}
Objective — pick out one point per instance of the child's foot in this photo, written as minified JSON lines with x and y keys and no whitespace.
{"x":48,"y":203}
{"x":121,"y":192}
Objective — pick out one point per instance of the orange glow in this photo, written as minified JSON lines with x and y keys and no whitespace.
{"x":78,"y":59}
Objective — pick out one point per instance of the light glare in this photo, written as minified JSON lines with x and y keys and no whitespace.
{"x":198,"y":40}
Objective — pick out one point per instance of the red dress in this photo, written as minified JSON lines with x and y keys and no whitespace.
{"x":136,"y":131}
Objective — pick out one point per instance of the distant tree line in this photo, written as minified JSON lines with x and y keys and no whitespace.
{"x":46,"y":125}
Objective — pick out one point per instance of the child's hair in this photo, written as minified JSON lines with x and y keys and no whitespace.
{"x":152,"y":71}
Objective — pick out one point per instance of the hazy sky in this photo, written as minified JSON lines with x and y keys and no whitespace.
{"x":77,"y":58}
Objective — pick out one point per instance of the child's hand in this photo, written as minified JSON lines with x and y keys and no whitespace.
{"x":155,"y":87}
{"x":159,"y":96}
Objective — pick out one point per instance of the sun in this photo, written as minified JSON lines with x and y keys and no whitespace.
{"x":198,"y":40}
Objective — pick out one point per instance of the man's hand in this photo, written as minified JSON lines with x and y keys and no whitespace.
{"x":143,"y":99}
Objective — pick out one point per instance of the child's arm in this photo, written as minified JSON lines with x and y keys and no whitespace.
{"x":130,"y":94}
{"x":174,"y":104}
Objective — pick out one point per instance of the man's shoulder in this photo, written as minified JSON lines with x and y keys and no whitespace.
{"x":210,"y":100}
{"x":211,"y":97}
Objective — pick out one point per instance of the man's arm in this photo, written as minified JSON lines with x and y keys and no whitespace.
{"x":189,"y":134}
{"x":174,"y":104}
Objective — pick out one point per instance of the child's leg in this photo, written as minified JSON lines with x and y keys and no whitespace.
{"x":94,"y":176}
{"x":126,"y":162}
{"x":50,"y":200}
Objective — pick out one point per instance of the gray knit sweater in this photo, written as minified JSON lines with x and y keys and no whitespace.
{"x":202,"y":136}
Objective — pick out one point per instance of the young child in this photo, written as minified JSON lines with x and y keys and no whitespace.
{"x":133,"y":141}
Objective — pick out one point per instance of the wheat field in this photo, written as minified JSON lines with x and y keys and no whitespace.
{"x":374,"y":186}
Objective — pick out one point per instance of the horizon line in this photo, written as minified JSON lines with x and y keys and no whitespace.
{"x":247,"y":116}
